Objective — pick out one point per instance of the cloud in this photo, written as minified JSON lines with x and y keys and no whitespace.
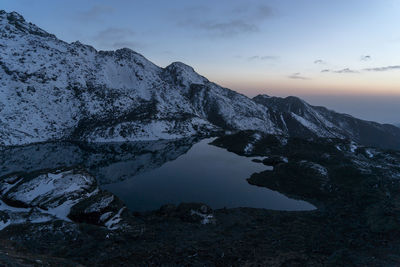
{"x":297,"y":76}
{"x":114,"y":34}
{"x":387,"y":68}
{"x":232,"y":22}
{"x":114,"y":38}
{"x":95,"y":12}
{"x":128,"y":44}
{"x":228,"y":28}
{"x":259,"y":12}
{"x":365,"y":58}
{"x":320,"y":62}
{"x":264,"y":58}
{"x":346,"y":70}
{"x":262,"y":12}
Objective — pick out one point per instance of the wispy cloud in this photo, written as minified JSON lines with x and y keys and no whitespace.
{"x":346,"y":70}
{"x":114,"y":34}
{"x":376,"y":69}
{"x":228,"y":28}
{"x":114,"y":38}
{"x":262,"y":12}
{"x":259,"y":12}
{"x":387,"y":68}
{"x":234,"y":22}
{"x":365,"y":58}
{"x":298,"y":76}
{"x":320,"y":62}
{"x":264,"y":58}
{"x":96,"y":12}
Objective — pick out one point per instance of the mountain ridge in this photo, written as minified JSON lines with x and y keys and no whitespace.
{"x":51,"y":90}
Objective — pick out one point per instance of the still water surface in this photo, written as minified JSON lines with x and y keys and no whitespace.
{"x":205,"y":174}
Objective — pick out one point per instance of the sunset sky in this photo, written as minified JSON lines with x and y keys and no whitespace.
{"x":344,"y":54}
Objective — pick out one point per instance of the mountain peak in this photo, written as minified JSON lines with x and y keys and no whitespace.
{"x":180,"y":65}
{"x":261,"y":96}
{"x":58,"y":91}
{"x":12,"y":16}
{"x":290,"y":100}
{"x":184,"y":74}
{"x":295,"y":100}
{"x":14,"y":22}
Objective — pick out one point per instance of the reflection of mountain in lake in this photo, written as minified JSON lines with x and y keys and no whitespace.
{"x":108,"y":162}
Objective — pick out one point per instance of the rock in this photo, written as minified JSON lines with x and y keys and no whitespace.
{"x":167,"y":210}
{"x":195,"y":212}
{"x":274,"y":160}
{"x":189,"y":212}
{"x":62,"y":194}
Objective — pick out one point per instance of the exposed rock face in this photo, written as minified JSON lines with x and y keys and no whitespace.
{"x":67,"y":195}
{"x":51,"y":90}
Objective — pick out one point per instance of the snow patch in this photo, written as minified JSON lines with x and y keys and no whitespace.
{"x":205,"y":218}
{"x":113,"y":223}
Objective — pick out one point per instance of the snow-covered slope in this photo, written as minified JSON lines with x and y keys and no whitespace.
{"x":51,"y":90}
{"x":298,"y":118}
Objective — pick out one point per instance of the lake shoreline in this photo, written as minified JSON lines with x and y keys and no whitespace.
{"x":356,"y":223}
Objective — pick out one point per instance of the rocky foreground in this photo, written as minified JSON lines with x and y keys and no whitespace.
{"x":61,"y":217}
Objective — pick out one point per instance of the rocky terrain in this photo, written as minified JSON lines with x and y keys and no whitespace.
{"x":67,"y":112}
{"x":354,"y":187}
{"x":51,"y":90}
{"x":53,"y":195}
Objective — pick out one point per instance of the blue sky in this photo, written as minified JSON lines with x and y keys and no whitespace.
{"x":325,"y":51}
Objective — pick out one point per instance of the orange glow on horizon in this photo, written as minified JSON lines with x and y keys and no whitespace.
{"x":332,"y":86}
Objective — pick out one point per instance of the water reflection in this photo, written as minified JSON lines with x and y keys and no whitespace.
{"x":108,"y":162}
{"x":205,"y":174}
{"x":146,"y":175}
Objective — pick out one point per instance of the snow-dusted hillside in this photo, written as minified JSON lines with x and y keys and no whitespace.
{"x":297,"y":118}
{"x":54,"y":90}
{"x":51,"y":90}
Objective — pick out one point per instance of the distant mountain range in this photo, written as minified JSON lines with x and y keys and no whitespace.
{"x":52,"y":90}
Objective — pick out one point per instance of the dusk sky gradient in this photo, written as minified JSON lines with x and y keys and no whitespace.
{"x":341,"y":54}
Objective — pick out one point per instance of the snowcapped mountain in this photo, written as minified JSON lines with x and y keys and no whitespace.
{"x":300,"y":119}
{"x":51,"y":90}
